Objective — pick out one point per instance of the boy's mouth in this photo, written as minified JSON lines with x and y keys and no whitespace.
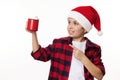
{"x":71,"y":32}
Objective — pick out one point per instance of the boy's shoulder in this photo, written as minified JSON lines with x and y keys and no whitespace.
{"x":92,"y":44}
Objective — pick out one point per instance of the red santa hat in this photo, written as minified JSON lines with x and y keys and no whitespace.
{"x":86,"y":16}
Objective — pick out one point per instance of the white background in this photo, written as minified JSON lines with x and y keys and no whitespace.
{"x":16,"y":62}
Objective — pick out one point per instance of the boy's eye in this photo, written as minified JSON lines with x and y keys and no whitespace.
{"x":68,"y":22}
{"x":76,"y":23}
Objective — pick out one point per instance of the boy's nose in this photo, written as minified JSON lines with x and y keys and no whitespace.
{"x":70,"y":25}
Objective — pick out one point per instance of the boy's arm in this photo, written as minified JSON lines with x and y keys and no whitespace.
{"x":35,"y":43}
{"x":92,"y":68}
{"x":38,"y":52}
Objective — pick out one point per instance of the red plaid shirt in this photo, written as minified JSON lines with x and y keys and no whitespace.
{"x":60,"y":54}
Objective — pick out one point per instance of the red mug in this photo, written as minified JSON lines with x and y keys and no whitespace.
{"x":32,"y":24}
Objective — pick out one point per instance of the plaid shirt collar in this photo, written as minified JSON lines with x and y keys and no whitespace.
{"x":69,"y":41}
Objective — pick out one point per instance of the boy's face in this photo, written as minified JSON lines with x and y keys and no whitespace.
{"x":75,"y":30}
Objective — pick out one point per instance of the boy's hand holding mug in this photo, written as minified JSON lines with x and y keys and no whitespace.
{"x":32,"y":24}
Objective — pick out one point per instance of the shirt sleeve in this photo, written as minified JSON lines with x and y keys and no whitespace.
{"x":98,"y":61}
{"x":43,"y":54}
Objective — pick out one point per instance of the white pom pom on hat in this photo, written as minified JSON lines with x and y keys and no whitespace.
{"x":87,"y":16}
{"x":100,"y":33}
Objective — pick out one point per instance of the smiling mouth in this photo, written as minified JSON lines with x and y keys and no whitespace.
{"x":71,"y":32}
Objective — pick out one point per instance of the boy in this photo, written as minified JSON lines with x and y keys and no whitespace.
{"x":74,"y":57}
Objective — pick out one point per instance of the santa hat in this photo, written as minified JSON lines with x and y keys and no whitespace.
{"x":86,"y":16}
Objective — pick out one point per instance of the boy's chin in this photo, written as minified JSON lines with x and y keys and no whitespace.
{"x":71,"y":35}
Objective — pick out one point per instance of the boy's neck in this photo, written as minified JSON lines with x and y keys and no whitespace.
{"x":81,"y":39}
